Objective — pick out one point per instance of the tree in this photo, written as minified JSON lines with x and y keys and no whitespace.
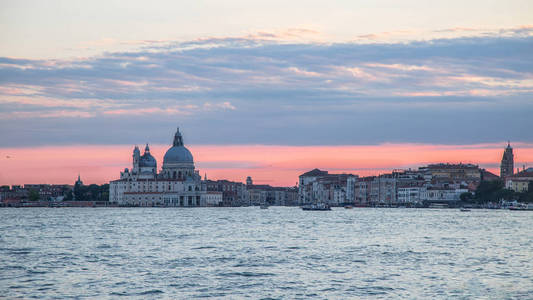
{"x":79,"y":192}
{"x":466,"y":197}
{"x":33,"y":195}
{"x":489,"y":191}
{"x":69,"y":196}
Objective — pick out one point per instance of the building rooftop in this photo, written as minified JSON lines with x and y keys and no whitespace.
{"x":527,"y":173}
{"x":452,"y":166}
{"x":488,"y":176}
{"x":314,"y":172}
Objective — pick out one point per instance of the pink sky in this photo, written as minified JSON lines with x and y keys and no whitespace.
{"x":274,"y":165}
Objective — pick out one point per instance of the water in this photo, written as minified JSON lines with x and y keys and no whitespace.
{"x":282,"y":252}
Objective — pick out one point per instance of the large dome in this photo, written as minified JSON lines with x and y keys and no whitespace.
{"x":178,"y":154}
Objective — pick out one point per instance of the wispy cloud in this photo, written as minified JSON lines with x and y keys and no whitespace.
{"x":289,"y":82}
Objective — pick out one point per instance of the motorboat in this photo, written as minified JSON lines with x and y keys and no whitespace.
{"x":522,"y":207}
{"x":316,"y":206}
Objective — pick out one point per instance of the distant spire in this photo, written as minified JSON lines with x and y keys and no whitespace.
{"x":147,"y":149}
{"x":79,"y":182}
{"x":205,"y":176}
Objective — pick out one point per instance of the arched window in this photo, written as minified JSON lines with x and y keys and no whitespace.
{"x":179,"y":175}
{"x":174,"y":175}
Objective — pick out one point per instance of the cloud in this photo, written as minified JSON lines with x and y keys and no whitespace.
{"x":277,"y":87}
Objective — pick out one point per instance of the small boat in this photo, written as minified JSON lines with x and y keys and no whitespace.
{"x":465,"y":209}
{"x":317,"y":206}
{"x":348,"y":206}
{"x":522,"y":207}
{"x":263,"y":206}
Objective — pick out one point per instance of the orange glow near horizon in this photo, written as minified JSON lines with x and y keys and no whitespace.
{"x":274,"y":165}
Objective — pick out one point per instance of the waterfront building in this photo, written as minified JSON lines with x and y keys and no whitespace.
{"x":262,"y":194}
{"x":233,"y":193}
{"x":320,"y":186}
{"x":453,"y":172}
{"x":213,"y":198}
{"x":177,"y":184}
{"x":305,"y":186}
{"x":410,"y":193}
{"x":386,"y":189}
{"x":507,"y":164}
{"x":520,"y":181}
{"x":362,"y":188}
{"x":350,"y":189}
{"x":442,"y":194}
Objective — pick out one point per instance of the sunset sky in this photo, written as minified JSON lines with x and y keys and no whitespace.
{"x":269,"y":89}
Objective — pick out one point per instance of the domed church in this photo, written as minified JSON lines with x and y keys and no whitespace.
{"x":177,"y":184}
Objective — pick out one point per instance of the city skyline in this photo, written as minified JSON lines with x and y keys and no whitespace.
{"x":351,"y":77}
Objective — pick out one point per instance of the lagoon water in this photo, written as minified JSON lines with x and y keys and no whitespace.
{"x":281,"y":252}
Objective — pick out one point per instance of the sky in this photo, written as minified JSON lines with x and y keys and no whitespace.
{"x":327,"y":80}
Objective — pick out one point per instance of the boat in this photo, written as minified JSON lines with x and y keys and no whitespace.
{"x":316,"y":206}
{"x":263,"y":206}
{"x":465,"y":209}
{"x":438,"y":205}
{"x":522,"y":207}
{"x":348,"y":206}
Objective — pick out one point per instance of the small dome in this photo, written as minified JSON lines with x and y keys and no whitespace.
{"x":147,"y":160}
{"x":178,"y":154}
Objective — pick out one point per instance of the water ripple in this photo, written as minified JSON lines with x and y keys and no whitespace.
{"x":279,"y":253}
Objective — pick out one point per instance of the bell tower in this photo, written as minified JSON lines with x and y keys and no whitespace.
{"x":507,"y":165}
{"x":136,"y":159}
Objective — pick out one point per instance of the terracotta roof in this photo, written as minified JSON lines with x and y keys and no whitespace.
{"x":314,"y":172}
{"x":452,"y":166}
{"x":525,"y":173}
{"x":486,"y":175}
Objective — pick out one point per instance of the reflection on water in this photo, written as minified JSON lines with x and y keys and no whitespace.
{"x":281,"y":252}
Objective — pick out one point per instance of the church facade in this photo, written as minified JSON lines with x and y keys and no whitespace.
{"x":178,"y":183}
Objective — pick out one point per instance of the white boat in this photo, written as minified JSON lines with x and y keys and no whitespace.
{"x":316,"y":206}
{"x":522,"y":207}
